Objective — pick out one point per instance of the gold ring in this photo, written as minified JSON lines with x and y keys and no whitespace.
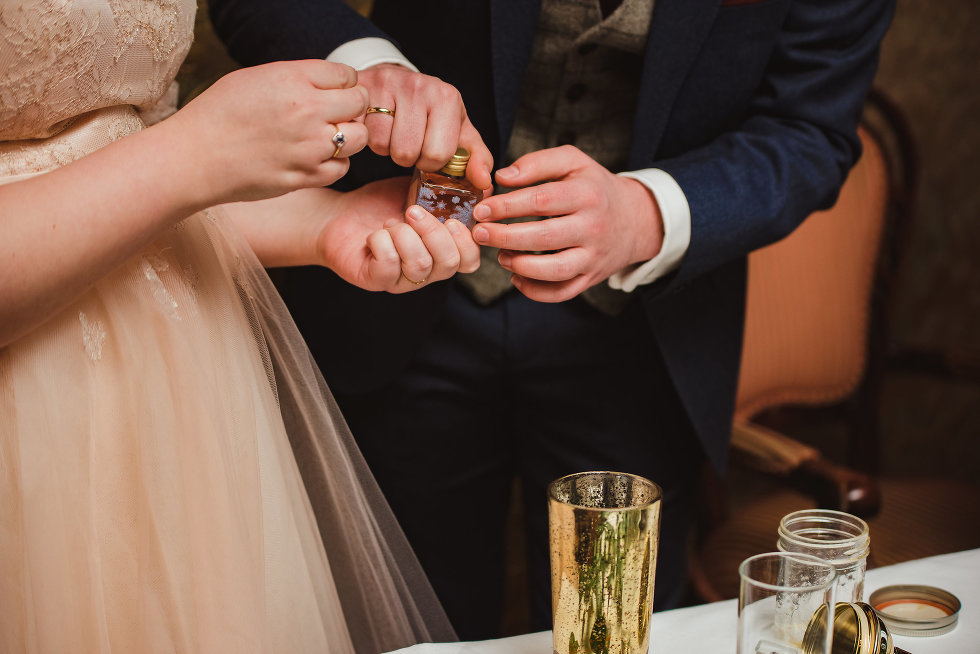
{"x":338,"y":139}
{"x":382,"y":110}
{"x":412,"y":281}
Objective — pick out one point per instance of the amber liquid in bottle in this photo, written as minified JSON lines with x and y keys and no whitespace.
{"x":446,"y":193}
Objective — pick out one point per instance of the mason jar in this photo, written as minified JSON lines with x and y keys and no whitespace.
{"x":834,"y":536}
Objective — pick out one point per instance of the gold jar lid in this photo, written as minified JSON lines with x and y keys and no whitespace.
{"x":456,"y":167}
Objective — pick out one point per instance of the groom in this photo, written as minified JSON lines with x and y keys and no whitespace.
{"x":606,"y":335}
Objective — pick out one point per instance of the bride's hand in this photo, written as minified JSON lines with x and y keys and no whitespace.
{"x":364,"y":236}
{"x":263,"y":131}
{"x":401,"y":251}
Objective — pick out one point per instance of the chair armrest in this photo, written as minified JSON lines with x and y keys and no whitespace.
{"x":803,"y":467}
{"x":768,"y":450}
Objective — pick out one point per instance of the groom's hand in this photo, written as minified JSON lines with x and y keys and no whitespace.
{"x":596,"y":223}
{"x":428,"y":122}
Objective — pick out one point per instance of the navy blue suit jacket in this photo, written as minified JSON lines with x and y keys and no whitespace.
{"x":751,"y":105}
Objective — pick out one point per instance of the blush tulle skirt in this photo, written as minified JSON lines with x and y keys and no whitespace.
{"x":175,"y":476}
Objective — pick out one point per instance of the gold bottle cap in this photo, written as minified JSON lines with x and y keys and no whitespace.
{"x":457,"y":165}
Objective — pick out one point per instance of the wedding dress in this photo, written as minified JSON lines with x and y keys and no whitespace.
{"x":174,"y":475}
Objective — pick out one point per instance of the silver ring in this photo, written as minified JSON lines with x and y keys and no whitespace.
{"x":338,"y":139}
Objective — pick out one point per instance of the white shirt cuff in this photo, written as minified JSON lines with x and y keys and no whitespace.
{"x":369,"y":51}
{"x":676,"y":213}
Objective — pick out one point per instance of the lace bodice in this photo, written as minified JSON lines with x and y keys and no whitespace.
{"x":63,"y":59}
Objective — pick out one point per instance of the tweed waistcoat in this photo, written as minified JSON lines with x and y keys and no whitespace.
{"x":580,"y":88}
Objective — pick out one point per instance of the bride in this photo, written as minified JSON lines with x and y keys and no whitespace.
{"x":153,"y":389}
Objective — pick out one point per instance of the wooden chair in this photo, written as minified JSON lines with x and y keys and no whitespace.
{"x":815,"y":337}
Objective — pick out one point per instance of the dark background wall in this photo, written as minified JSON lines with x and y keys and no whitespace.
{"x":931,"y":67}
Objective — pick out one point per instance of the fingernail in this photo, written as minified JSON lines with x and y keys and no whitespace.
{"x":454,"y":225}
{"x":481,"y":212}
{"x":415,"y":212}
{"x":480,"y":234}
{"x":391,"y":222}
{"x":504,"y":259}
{"x":508,"y":172}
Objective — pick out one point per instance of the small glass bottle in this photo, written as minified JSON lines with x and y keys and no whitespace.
{"x":446,"y":193}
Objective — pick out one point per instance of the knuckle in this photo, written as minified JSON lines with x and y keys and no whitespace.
{"x":398,"y":231}
{"x":448,"y":95}
{"x":378,"y":143}
{"x":348,"y":75}
{"x":421,"y":262}
{"x":547,"y":236}
{"x":311,"y":159}
{"x":595,"y":230}
{"x":428,"y":227}
{"x":420,"y":83}
{"x":296,"y":75}
{"x":289,"y":179}
{"x":388,"y":257}
{"x":361,"y":102}
{"x":540,"y":199}
{"x":385,"y":74}
{"x":563,"y":266}
{"x":505,"y":237}
{"x":356,"y":132}
{"x":283,"y":70}
{"x":300,"y":163}
{"x":435,"y":154}
{"x":452,"y":261}
{"x":590,"y":194}
{"x":401,"y":155}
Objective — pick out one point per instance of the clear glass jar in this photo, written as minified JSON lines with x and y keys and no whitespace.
{"x":834,"y":536}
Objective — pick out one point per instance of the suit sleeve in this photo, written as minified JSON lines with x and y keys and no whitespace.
{"x":260,"y":31}
{"x":789,"y":154}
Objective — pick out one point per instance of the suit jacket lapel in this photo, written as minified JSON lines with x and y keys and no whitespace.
{"x":513,"y":24}
{"x":677,"y":30}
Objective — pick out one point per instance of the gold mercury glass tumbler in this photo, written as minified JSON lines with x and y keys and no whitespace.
{"x":604,"y":532}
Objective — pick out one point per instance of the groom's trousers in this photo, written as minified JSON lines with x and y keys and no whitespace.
{"x":526,"y":390}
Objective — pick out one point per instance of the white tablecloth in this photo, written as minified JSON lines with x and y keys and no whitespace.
{"x":711,"y":628}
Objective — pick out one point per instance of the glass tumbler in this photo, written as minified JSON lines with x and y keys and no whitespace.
{"x":834,"y":536}
{"x":604,"y":532}
{"x":780,"y":596}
